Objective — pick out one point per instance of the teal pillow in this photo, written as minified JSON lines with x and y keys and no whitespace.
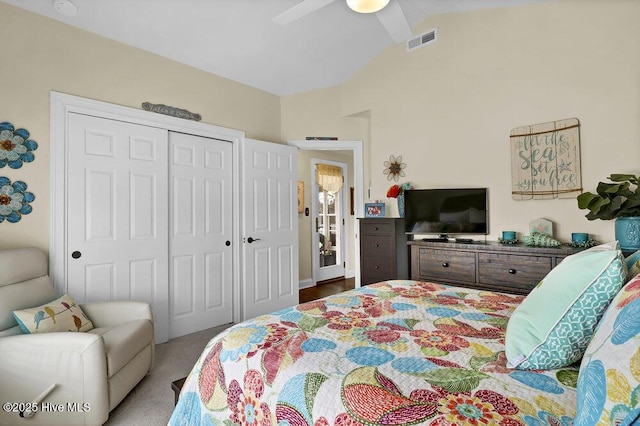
{"x":552,"y":327}
{"x":608,"y":391}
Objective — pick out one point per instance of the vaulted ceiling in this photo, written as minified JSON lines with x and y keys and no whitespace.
{"x":239,"y":40}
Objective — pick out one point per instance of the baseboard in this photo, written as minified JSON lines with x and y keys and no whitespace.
{"x":305,"y":283}
{"x":350,"y":273}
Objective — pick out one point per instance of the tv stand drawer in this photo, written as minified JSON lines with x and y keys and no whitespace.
{"x":447,"y":265}
{"x":485,"y":265}
{"x":517,"y":271}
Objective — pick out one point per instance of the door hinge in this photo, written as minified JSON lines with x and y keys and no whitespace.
{"x":344,"y":264}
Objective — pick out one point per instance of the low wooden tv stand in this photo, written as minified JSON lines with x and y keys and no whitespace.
{"x":511,"y":268}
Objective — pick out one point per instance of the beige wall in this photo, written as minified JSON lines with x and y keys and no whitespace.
{"x":447,"y":108}
{"x":41,"y":55}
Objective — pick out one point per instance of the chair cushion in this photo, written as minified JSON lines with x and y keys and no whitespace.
{"x":62,"y":314}
{"x":554,"y":324}
{"x":123,"y":342}
{"x":608,"y":390}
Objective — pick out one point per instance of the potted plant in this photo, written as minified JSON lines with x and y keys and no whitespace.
{"x":619,"y":200}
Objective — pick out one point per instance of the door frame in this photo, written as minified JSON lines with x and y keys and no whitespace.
{"x":344,"y":245}
{"x":358,"y":180}
{"x":61,"y":105}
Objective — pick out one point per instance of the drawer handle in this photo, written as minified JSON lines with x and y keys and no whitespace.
{"x":512,"y":271}
{"x":445,"y":264}
{"x":376,"y":245}
{"x":375,"y":228}
{"x":376,"y":267}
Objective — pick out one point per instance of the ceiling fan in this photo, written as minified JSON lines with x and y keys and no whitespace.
{"x":388,"y":12}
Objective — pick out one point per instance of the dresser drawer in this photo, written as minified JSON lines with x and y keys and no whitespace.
{"x":378,"y":269}
{"x":377,"y":228}
{"x":377,"y":246}
{"x":518,"y":271}
{"x":447,"y":265}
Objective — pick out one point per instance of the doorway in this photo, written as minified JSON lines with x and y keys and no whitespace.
{"x":328,"y":209}
{"x":356,"y":147}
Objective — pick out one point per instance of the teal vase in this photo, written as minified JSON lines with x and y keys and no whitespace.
{"x":401,"y":205}
{"x":628,"y":232}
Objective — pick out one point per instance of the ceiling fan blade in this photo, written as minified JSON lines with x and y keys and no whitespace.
{"x":393,"y":19}
{"x":301,"y":9}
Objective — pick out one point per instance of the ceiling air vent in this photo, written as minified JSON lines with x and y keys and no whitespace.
{"x":422,"y":40}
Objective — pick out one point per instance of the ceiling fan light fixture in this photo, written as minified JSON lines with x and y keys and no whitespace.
{"x":367,"y":6}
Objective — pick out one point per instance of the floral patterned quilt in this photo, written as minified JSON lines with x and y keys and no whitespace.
{"x":392,"y":353}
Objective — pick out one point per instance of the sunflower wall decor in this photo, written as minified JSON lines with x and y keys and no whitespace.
{"x":15,"y":146}
{"x":394,"y":168}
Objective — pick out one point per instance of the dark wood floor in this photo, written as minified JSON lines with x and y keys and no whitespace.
{"x":326,"y":289}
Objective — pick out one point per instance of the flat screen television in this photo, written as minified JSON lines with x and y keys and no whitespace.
{"x":447,"y":211}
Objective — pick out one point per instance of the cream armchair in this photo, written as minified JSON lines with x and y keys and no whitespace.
{"x":80,"y":377}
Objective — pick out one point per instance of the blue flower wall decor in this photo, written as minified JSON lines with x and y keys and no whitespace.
{"x":15,"y":146}
{"x":14,"y":200}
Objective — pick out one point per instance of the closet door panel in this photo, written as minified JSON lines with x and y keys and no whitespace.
{"x":201,"y":227}
{"x":117,"y":215}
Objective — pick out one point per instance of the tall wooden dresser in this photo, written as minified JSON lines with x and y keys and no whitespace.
{"x":384,"y":254}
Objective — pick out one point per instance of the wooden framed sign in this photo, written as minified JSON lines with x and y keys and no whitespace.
{"x":545,"y":160}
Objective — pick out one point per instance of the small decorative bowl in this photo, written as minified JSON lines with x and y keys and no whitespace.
{"x":513,"y":241}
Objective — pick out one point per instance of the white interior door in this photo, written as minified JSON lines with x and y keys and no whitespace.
{"x":117,"y":214}
{"x":328,"y":223}
{"x":270,"y":227}
{"x":200,"y":218}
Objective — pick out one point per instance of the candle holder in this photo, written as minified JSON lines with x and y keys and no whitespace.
{"x":508,"y":237}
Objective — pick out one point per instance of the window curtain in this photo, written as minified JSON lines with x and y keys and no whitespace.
{"x":329,"y":178}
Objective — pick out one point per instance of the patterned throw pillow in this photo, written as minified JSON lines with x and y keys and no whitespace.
{"x":62,"y":314}
{"x":608,"y":390}
{"x":554,"y":324}
{"x":633,"y":263}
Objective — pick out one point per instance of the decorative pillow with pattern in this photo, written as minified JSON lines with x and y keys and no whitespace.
{"x":552,"y":327}
{"x":62,"y":314}
{"x":608,"y":391}
{"x":633,"y":263}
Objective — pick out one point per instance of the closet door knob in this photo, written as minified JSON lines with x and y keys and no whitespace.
{"x":251,"y":239}
{"x":227,"y":243}
{"x":76,"y":255}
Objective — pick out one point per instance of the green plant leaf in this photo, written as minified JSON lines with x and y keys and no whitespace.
{"x":454,"y":379}
{"x":613,"y":200}
{"x":585,"y":199}
{"x":608,"y":188}
{"x":618,"y":177}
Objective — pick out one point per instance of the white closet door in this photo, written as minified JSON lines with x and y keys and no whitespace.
{"x":117,"y":214}
{"x":270,"y":227}
{"x":200,"y":263}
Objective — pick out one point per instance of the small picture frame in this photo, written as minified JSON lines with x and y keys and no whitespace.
{"x":374,"y":209}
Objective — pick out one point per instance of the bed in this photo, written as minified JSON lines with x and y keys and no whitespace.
{"x":407,"y":352}
{"x":393,"y":353}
